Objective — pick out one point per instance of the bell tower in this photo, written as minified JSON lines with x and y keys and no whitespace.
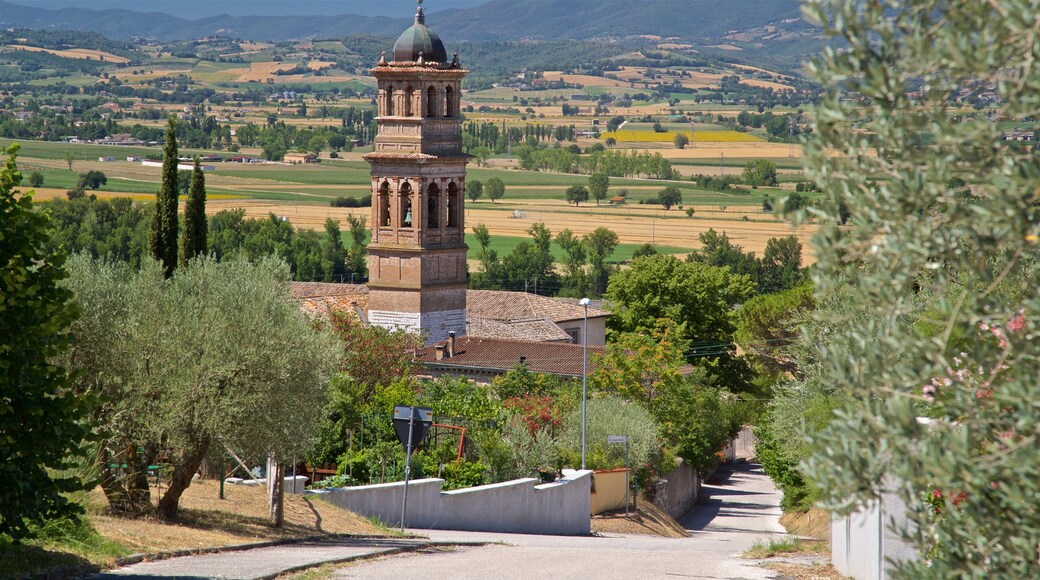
{"x":417,"y":257}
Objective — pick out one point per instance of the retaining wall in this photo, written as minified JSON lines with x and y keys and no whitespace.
{"x":518,"y":506}
{"x":677,"y":491}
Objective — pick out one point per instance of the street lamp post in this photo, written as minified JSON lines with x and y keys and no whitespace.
{"x":584,"y":375}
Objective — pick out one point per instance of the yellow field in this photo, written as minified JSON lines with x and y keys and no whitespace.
{"x":669,"y":136}
{"x":80,"y":53}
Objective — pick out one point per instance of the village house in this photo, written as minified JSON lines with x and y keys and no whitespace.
{"x":300,"y":158}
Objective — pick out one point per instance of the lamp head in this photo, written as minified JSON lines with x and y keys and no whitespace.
{"x":584,"y":302}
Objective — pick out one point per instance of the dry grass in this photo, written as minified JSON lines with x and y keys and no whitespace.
{"x":648,"y":519}
{"x":80,"y":53}
{"x":633,"y":224}
{"x":799,"y":571}
{"x":814,"y":524}
{"x":206,"y":521}
{"x":760,"y":150}
{"x":625,"y":136}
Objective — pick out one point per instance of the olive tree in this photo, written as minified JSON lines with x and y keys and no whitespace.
{"x":942,"y":209}
{"x":219,"y":355}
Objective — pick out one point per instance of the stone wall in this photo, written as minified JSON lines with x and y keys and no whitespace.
{"x":676,"y":492}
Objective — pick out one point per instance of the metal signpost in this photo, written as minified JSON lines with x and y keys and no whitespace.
{"x":628,"y":471}
{"x":411,"y":425}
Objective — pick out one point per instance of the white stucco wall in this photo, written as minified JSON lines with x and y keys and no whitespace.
{"x":518,"y":506}
{"x":866,"y":543}
{"x":597,"y":329}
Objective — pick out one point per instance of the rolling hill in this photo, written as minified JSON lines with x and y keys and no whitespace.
{"x":495,"y":20}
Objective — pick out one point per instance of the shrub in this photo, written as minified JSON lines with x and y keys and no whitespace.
{"x":364,"y":201}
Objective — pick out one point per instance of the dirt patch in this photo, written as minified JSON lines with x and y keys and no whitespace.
{"x":806,"y":571}
{"x":207,"y":521}
{"x":648,"y":519}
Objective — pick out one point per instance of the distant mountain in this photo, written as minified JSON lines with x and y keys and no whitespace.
{"x":495,"y":20}
{"x":583,"y":19}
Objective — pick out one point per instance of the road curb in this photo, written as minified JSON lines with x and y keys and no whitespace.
{"x":156,"y":556}
{"x":371,"y":556}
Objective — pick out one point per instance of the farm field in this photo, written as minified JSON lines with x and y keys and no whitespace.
{"x":625,"y":136}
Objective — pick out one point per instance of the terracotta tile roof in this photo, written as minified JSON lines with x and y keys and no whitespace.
{"x":324,"y":289}
{"x":507,"y":306}
{"x":539,"y":329}
{"x":499,"y":356}
{"x":489,"y":313}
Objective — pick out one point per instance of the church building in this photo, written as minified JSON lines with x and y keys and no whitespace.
{"x":417,"y":257}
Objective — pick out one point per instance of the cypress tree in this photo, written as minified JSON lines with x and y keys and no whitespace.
{"x":195,"y":215}
{"x":164,"y":228}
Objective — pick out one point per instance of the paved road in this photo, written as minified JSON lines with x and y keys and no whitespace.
{"x":261,"y":562}
{"x":740,"y":510}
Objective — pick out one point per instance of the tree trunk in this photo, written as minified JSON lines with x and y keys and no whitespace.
{"x":126,"y":493}
{"x":186,"y":465}
{"x":275,"y":491}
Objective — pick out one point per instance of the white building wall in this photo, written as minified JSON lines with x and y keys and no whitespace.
{"x":435,"y":326}
{"x":518,"y":506}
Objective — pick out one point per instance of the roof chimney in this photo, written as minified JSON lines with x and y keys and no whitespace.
{"x":439,"y":350}
{"x":451,"y":344}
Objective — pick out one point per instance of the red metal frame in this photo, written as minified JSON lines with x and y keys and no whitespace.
{"x":462,"y":439}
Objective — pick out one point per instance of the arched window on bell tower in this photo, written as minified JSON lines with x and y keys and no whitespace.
{"x":409,"y":96}
{"x":431,"y":102}
{"x":406,"y":205}
{"x":390,"y":100}
{"x":384,"y":205}
{"x":449,"y":106}
{"x":454,"y":203}
{"x":433,"y":206}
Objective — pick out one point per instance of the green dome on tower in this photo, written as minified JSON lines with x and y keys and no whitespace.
{"x":419,"y":40}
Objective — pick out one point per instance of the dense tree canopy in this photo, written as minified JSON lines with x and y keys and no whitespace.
{"x":218,"y":355}
{"x":42,"y":422}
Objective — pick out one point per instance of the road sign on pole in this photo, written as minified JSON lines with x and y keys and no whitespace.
{"x":411,"y":424}
{"x":628,"y":470}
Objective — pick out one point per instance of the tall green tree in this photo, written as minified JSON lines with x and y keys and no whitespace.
{"x":334,"y":255}
{"x":576,"y":194}
{"x":164,"y":227}
{"x":474,"y":189}
{"x":195,"y":228}
{"x":759,"y":172}
{"x":357,"y":253}
{"x":576,"y":281}
{"x":599,"y":246}
{"x":970,"y":363}
{"x":42,"y":422}
{"x":599,"y":184}
{"x":698,"y":297}
{"x":494,"y":189}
